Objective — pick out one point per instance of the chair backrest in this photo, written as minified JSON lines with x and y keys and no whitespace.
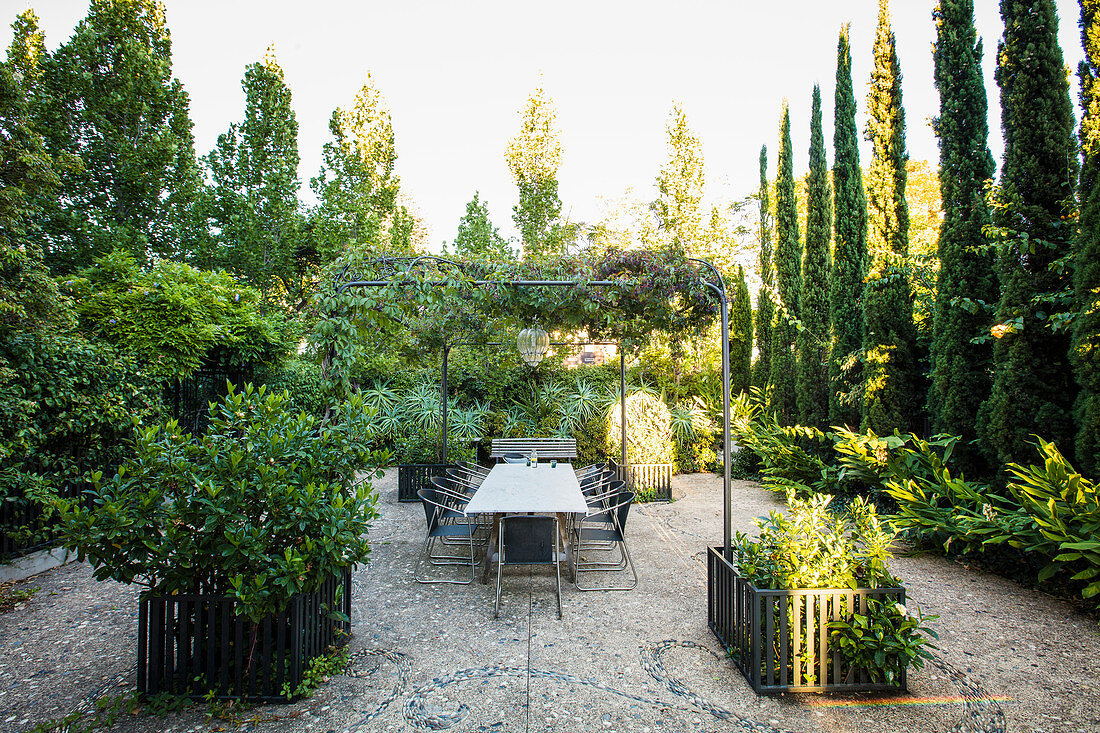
{"x":528,"y":540}
{"x":429,"y":499}
{"x":596,"y":479}
{"x":514,"y":458}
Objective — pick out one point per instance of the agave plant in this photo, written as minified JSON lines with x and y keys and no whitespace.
{"x":380,"y":396}
{"x":467,"y":424}
{"x":391,"y":421}
{"x":516,"y":424}
{"x":569,"y":419}
{"x":583,"y":401}
{"x":421,"y":406}
{"x":688,"y":419}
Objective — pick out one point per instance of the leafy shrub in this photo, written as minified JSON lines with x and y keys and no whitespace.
{"x":744,"y":465}
{"x":174,"y":317}
{"x":303,"y":382}
{"x":809,"y":547}
{"x":885,"y":641}
{"x":649,"y":430}
{"x":265,"y":505}
{"x":787,"y":466}
{"x":1065,"y":509}
{"x":67,"y":408}
{"x":933,"y":504}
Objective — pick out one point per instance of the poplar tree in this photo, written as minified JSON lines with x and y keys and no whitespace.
{"x":741,"y":336}
{"x":1033,"y":387}
{"x":889,"y":396}
{"x":680,"y":182}
{"x":356,"y":187}
{"x":849,"y":265}
{"x":765,"y":308}
{"x":533,"y":156}
{"x":1086,"y":332}
{"x":788,"y":281}
{"x":966,"y":284}
{"x":112,"y":103}
{"x":813,"y":337}
{"x":255,"y":174}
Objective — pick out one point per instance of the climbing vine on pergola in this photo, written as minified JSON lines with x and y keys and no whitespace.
{"x":610,"y":295}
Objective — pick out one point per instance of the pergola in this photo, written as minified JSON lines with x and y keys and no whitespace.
{"x":402,"y":270}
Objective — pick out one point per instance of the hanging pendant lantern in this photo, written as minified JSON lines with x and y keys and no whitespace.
{"x":533,"y":344}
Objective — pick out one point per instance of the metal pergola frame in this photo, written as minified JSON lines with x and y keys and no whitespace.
{"x":717,"y":286}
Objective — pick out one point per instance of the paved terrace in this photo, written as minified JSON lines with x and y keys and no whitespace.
{"x":433,"y":658}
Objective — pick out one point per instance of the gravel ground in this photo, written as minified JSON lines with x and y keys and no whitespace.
{"x":433,"y":657}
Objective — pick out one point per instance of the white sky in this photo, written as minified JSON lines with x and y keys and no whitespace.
{"x":456,"y":74}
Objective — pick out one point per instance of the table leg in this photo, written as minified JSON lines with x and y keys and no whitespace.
{"x":490,"y":549}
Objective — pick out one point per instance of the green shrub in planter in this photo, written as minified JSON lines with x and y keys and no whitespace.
{"x":263,"y":507}
{"x":811,"y":553}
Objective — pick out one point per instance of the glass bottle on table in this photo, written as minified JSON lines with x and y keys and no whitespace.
{"x":534,"y":458}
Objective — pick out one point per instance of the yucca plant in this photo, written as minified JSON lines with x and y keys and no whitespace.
{"x":584,"y":401}
{"x":467,"y":424}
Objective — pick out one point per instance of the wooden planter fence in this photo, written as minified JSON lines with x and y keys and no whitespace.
{"x":646,"y":477}
{"x":779,"y":639}
{"x":412,"y":477}
{"x":192,"y":644}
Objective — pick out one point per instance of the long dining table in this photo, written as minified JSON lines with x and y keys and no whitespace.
{"x":513,"y":488}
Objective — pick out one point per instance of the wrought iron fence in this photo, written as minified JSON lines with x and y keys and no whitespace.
{"x":188,"y":400}
{"x":779,"y":639}
{"x":194,"y":644}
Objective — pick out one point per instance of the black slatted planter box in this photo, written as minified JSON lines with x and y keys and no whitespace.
{"x":412,"y":477}
{"x":192,"y":644}
{"x":779,"y":639}
{"x":646,"y":477}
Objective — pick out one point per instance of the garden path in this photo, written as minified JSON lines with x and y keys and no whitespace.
{"x":433,"y":657}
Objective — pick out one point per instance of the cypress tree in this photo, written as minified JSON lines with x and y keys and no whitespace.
{"x":889,"y":402}
{"x":1086,"y":332}
{"x":966,"y":285}
{"x":1033,"y":388}
{"x":740,"y":336}
{"x":813,"y":338}
{"x":849,"y":266}
{"x":765,"y":308}
{"x":788,"y":281}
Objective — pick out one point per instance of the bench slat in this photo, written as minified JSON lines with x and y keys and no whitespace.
{"x":546,"y":447}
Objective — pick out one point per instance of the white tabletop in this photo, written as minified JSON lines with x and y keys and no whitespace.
{"x":516,"y":488}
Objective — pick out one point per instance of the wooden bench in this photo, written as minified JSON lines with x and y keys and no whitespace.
{"x":559,"y":448}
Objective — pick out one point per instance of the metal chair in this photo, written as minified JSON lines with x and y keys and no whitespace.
{"x":604,"y":525}
{"x":528,"y":540}
{"x":444,"y":521}
{"x":456,"y":495}
{"x":514,"y":458}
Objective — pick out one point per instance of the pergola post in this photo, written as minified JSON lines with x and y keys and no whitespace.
{"x":622,"y":402}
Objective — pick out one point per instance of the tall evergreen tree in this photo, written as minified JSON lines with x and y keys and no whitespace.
{"x":966,"y":285}
{"x":255,"y":175}
{"x":788,"y":281}
{"x":1086,"y":332}
{"x":29,"y":298}
{"x":813,"y":337}
{"x":890,"y":401}
{"x":765,"y":308}
{"x":1033,"y":387}
{"x":533,"y":158}
{"x":849,"y":266}
{"x":741,"y":336}
{"x":356,"y":188}
{"x":113,"y":104}
{"x":678,"y":208}
{"x":477,"y":238}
